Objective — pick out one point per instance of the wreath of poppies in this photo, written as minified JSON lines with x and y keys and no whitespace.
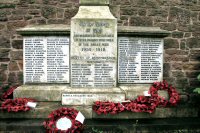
{"x":70,"y":113}
{"x":141,"y":103}
{"x":16,"y":105}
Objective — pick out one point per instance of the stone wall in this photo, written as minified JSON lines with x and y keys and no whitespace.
{"x":180,"y":17}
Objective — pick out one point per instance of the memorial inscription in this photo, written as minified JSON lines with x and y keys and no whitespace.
{"x":46,"y":59}
{"x":93,"y":54}
{"x":140,"y":60}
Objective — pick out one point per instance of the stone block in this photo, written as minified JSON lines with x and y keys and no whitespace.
{"x":13,"y":66}
{"x":4,"y":53}
{"x":170,"y":43}
{"x":193,"y":42}
{"x":179,"y":15}
{"x":18,"y":44}
{"x":4,"y":42}
{"x":134,"y":90}
{"x":16,"y":55}
{"x":54,"y":93}
{"x":94,"y":2}
{"x":141,"y":21}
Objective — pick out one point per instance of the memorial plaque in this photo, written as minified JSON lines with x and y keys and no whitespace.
{"x":140,"y":60}
{"x":94,"y":49}
{"x":88,"y":99}
{"x":46,"y":59}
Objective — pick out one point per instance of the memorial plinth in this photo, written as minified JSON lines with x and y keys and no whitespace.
{"x":53,"y":92}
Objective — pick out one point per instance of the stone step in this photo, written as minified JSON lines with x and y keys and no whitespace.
{"x":53,"y":92}
{"x":169,"y":125}
{"x":43,"y":109}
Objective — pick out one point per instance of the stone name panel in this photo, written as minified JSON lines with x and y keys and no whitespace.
{"x":93,"y":53}
{"x":140,"y":60}
{"x":46,"y":59}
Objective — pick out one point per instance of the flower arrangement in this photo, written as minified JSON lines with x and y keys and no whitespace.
{"x":70,"y":113}
{"x":16,"y":105}
{"x":141,"y":103}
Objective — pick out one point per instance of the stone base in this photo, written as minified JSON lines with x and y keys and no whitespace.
{"x":54,"y":93}
{"x":43,"y":109}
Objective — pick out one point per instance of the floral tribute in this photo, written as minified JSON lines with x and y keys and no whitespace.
{"x":13,"y":105}
{"x":16,"y":105}
{"x":70,"y":113}
{"x":8,"y":93}
{"x":141,"y":103}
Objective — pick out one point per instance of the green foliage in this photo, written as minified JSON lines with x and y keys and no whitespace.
{"x":197,"y":89}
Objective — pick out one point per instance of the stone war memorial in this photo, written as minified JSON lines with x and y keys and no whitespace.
{"x":99,"y":64}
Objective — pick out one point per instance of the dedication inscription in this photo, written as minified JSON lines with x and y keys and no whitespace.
{"x":46,"y":59}
{"x":93,"y":53}
{"x":140,"y":60}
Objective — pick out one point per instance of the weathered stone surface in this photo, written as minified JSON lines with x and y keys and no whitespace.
{"x":49,"y":12}
{"x":193,"y":43}
{"x":191,"y":66}
{"x":176,"y":58}
{"x":69,"y":13}
{"x":45,"y":29}
{"x":176,"y":52}
{"x":54,"y":92}
{"x":178,"y":74}
{"x":16,"y":55}
{"x":9,"y":1}
{"x":177,"y":66}
{"x":2,"y":26}
{"x":167,"y":26}
{"x":18,"y":44}
{"x":4,"y":42}
{"x":171,"y":43}
{"x":166,"y":70}
{"x":159,"y":113}
{"x":93,"y":48}
{"x":13,"y":66}
{"x":179,"y":15}
{"x":43,"y":109}
{"x":164,"y":94}
{"x":12,"y":78}
{"x":4,"y":53}
{"x":94,"y":2}
{"x":177,"y":34}
{"x":132,"y":91}
{"x":141,"y":21}
{"x":14,"y":25}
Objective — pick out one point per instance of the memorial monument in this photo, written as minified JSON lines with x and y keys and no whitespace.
{"x":91,"y":60}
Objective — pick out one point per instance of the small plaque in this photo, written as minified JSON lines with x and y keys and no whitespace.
{"x":140,"y":60}
{"x":89,"y":99}
{"x":64,"y":124}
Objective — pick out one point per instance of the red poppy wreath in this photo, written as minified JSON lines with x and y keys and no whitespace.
{"x":141,"y":103}
{"x":16,"y":105}
{"x":63,"y":120}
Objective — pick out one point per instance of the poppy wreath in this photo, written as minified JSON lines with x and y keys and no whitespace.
{"x":54,"y":116}
{"x":141,"y":103}
{"x":8,"y":94}
{"x":16,"y":105}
